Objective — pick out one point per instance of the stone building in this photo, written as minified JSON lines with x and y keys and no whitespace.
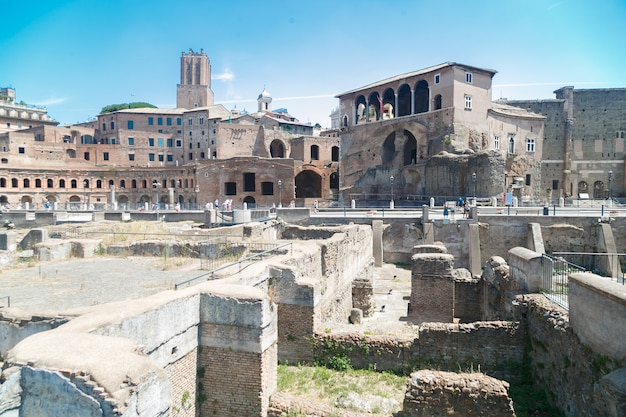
{"x":583,"y":145}
{"x":18,"y":115}
{"x":427,"y":132}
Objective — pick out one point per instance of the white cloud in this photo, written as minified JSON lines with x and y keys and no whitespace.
{"x":227,"y":75}
{"x":51,"y":101}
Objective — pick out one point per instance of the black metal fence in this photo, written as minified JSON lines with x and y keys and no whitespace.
{"x":555,"y":275}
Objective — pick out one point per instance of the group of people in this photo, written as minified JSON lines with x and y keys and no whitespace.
{"x":463,"y":205}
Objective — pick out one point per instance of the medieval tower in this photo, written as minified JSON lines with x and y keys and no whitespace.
{"x":194,"y":89}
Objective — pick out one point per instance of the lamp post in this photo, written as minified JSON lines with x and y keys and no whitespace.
{"x":155,"y":184}
{"x":85,"y":194}
{"x":474,"y":182}
{"x":610,"y":179}
{"x":280,"y":194}
{"x":391,"y":205}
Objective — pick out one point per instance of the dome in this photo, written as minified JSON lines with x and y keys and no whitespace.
{"x":264,"y":94}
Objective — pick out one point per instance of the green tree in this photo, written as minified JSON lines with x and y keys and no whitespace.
{"x":135,"y":105}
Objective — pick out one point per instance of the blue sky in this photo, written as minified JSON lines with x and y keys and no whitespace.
{"x":75,"y":57}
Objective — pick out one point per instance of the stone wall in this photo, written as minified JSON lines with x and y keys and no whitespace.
{"x":446,"y":394}
{"x":432,"y":288}
{"x":14,"y":328}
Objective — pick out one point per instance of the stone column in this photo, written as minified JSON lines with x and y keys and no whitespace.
{"x":377,"y":246}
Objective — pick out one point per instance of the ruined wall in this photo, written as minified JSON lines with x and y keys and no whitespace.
{"x":467,"y":295}
{"x":432,"y":288}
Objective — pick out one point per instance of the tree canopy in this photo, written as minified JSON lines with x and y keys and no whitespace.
{"x":135,"y":105}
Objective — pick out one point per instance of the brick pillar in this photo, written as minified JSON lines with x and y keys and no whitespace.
{"x":432,"y":288}
{"x":238,"y":354}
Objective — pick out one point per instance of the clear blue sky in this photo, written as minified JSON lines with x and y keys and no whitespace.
{"x":75,"y":57}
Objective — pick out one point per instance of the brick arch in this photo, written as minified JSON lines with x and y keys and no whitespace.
{"x":308,"y":184}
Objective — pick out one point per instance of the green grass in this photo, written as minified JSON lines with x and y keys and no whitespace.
{"x":326,"y":385}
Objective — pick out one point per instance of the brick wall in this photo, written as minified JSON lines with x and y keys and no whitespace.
{"x":432,"y":288}
{"x":182,"y":375}
{"x":467,"y":300}
{"x":233,"y":383}
{"x":297,"y":324}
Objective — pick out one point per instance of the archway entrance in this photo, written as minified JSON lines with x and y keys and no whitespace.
{"x":308,"y":185}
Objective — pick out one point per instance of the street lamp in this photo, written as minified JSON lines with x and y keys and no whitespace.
{"x":155,"y":184}
{"x":280,"y":194}
{"x":610,"y":179}
{"x":391,"y":181}
{"x":474,"y":182}
{"x":85,"y":193}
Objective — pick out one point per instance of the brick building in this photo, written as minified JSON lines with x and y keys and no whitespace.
{"x":18,"y":115}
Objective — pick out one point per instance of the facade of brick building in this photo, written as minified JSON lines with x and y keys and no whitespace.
{"x":18,"y":115}
{"x":583,"y":145}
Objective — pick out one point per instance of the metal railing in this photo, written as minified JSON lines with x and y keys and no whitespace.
{"x":609,"y":265}
{"x":249,"y":257}
{"x":554,"y":280}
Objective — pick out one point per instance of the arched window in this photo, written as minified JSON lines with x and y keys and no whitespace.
{"x":61,"y":183}
{"x":334,"y":152}
{"x":3,"y":182}
{"x":26,"y":183}
{"x":111,"y":183}
{"x":50,"y":183}
{"x":73,"y":184}
{"x":144,"y":184}
{"x":511,"y":144}
{"x":438,"y":102}
{"x":14,"y":182}
{"x":85,"y":183}
{"x":37,"y":183}
{"x":345,"y":121}
{"x":98,"y":183}
{"x":315,"y":152}
{"x":122,"y":183}
{"x":133,"y":184}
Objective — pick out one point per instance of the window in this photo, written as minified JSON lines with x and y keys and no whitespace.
{"x":191,"y":156}
{"x":150,"y":141}
{"x":530,"y":144}
{"x":511,"y":144}
{"x":86,"y":156}
{"x":190,"y":145}
{"x":21,"y":149}
{"x":437,"y":78}
{"x":496,"y":142}
{"x":267,"y":188}
{"x":112,"y":125}
{"x":130,"y":125}
{"x":150,"y":121}
{"x":170,"y":142}
{"x":168,"y":121}
{"x":334,"y":153}
{"x":248,"y":182}
{"x":133,"y":184}
{"x":619,"y":134}
{"x":170,"y":157}
{"x":131,"y":156}
{"x":160,"y":142}
{"x":160,"y":121}
{"x":131,"y":141}
{"x":555,"y":184}
{"x":468,"y":102}
{"x":527,"y":179}
{"x":113,"y":141}
{"x":198,"y":145}
{"x":61,"y":183}
{"x":315,"y":152}
{"x":74,"y":184}
{"x":104,"y":127}
{"x":179,"y":143}
{"x":160,"y":157}
{"x":468,"y":77}
{"x":201,"y":155}
{"x":26,"y":183}
{"x":190,"y":121}
{"x":230,"y":188}
{"x":201,"y":121}
{"x":37,"y":183}
{"x":50,"y":183}
{"x":179,"y":121}
{"x":105,"y":155}
{"x":151,"y":157}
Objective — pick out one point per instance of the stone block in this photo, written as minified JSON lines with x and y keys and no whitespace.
{"x":8,"y":241}
{"x":433,"y":264}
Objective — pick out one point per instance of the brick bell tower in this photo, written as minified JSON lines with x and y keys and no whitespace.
{"x":194,"y":89}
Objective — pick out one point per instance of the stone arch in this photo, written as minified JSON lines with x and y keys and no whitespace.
{"x":144,"y":199}
{"x":250,"y":201}
{"x":598,"y":190}
{"x":421,"y":97}
{"x":71,"y":153}
{"x":404,"y":100}
{"x":122,"y":199}
{"x":375,"y":107}
{"x":51,"y":198}
{"x":389,"y":102}
{"x":26,"y":199}
{"x":389,"y":148}
{"x":74,"y":199}
{"x":410,"y":148}
{"x":359,"y":108}
{"x":277,"y":149}
{"x":583,"y":187}
{"x":308,"y":185}
{"x":437,"y":102}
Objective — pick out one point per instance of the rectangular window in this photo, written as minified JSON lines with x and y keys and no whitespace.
{"x":151,"y":157}
{"x":530,"y":144}
{"x":170,"y":157}
{"x":130,"y":125}
{"x":437,"y":78}
{"x":150,"y":121}
{"x":190,"y":121}
{"x":201,"y":120}
{"x":198,"y":145}
{"x":267,"y":188}
{"x":160,"y":121}
{"x":527,"y":179}
{"x":104,"y":127}
{"x":168,"y":121}
{"x":112,"y":125}
{"x":150,"y":141}
{"x":160,"y":142}
{"x":230,"y":188}
{"x":131,"y":141}
{"x":191,"y":156}
{"x":131,"y":156}
{"x":179,"y":121}
{"x":555,"y":184}
{"x":248,"y":182}
{"x":179,"y":143}
{"x":105,"y":155}
{"x":86,"y":156}
{"x":21,"y":150}
{"x":468,"y":102}
{"x":160,"y":157}
{"x":468,"y":77}
{"x":496,"y":142}
{"x":170,"y":142}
